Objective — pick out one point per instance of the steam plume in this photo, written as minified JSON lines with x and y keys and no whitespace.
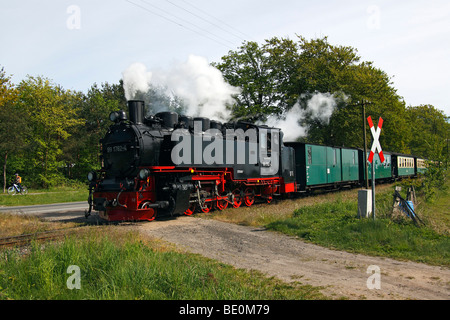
{"x":136,"y":79}
{"x":200,"y":85}
{"x":319,"y":107}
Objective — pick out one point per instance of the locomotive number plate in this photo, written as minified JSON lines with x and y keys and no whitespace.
{"x":119,"y":148}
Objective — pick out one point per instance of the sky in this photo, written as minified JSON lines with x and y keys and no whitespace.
{"x":78,"y":43}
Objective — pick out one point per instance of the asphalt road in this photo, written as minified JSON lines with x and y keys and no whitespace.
{"x":55,"y":211}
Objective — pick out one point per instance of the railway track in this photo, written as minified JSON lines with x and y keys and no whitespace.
{"x":24,"y":239}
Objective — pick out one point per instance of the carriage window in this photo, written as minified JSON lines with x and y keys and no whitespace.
{"x":334,"y":157}
{"x":309,"y":155}
{"x":354,"y":157}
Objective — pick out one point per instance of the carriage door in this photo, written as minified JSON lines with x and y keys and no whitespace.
{"x":333,"y":168}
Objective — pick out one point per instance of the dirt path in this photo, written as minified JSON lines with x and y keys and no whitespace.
{"x":341,"y":274}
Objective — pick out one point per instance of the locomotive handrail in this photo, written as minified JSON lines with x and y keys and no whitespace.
{"x":118,"y":196}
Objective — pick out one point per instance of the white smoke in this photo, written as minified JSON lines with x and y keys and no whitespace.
{"x":200,"y":85}
{"x":136,"y":79}
{"x":319,"y":107}
{"x":289,"y":124}
{"x":203,"y":88}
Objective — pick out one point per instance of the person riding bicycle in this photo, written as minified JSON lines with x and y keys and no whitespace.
{"x":18,"y":181}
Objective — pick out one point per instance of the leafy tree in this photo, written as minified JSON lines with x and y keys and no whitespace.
{"x":74,"y":146}
{"x":339,"y":70}
{"x":325,"y":68}
{"x":430,"y":132}
{"x":264,"y":75}
{"x":95,"y":107}
{"x":279,"y":73}
{"x":49,"y":114}
{"x":13,"y":127}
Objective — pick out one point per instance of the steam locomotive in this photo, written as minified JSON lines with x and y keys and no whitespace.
{"x":167,"y":164}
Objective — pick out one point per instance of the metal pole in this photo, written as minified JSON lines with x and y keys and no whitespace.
{"x":365,"y":144}
{"x":373,"y":188}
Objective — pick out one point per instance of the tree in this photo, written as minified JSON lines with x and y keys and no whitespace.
{"x":277,"y":75}
{"x":95,"y":108}
{"x":50,"y":115}
{"x":329,"y":69}
{"x":264,"y":74}
{"x":339,"y":70}
{"x":12,"y":124}
{"x":323,"y":67}
{"x":73,"y":148}
{"x":430,"y":132}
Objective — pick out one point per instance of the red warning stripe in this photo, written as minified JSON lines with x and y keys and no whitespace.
{"x":369,"y":119}
{"x":371,"y":156}
{"x":380,"y":123}
{"x":380,"y":153}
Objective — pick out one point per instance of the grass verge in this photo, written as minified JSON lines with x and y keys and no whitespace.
{"x":56,"y":195}
{"x":118,"y":264}
{"x":335,"y":225}
{"x":330,"y":220}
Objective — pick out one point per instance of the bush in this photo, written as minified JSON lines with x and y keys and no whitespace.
{"x":434,"y":180}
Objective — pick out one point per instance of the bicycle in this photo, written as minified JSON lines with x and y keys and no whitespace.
{"x":14,"y":189}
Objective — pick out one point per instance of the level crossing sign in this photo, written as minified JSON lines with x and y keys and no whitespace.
{"x":376,"y":147}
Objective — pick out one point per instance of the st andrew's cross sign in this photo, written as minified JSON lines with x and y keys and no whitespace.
{"x":376,"y":147}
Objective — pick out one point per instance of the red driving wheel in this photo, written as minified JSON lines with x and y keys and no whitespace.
{"x":249,"y":196}
{"x":237,"y":198}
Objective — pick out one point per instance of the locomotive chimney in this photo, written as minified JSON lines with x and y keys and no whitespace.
{"x":136,"y":109}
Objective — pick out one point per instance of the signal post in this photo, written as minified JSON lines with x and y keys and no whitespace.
{"x":365,"y":198}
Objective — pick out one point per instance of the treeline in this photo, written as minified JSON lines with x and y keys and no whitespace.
{"x":50,"y":135}
{"x":279,"y":73}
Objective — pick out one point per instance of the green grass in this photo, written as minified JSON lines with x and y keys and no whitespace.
{"x":47,"y":196}
{"x":335,"y":225}
{"x":125,"y":267}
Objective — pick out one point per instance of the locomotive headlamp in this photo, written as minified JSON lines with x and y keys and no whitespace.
{"x":144,"y":174}
{"x":114,"y":116}
{"x":117,"y":116}
{"x":92,"y":176}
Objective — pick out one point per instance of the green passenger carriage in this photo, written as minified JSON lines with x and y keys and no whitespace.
{"x":404,"y":166}
{"x":319,"y":166}
{"x":383,"y":171}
